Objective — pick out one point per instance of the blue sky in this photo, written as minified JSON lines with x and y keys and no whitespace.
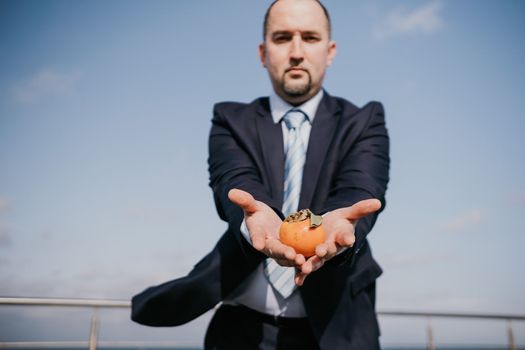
{"x":105,"y":109}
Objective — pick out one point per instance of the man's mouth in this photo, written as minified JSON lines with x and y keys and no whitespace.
{"x":296,"y":72}
{"x":296,"y":69}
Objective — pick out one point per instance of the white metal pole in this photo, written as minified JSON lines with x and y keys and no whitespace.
{"x":512,"y":344}
{"x":93,"y":331}
{"x":430,"y":336}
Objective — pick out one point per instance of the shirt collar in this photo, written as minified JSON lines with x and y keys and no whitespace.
{"x":280,"y":107}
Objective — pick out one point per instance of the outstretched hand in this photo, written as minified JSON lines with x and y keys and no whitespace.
{"x":339,"y":226}
{"x":263,"y":225}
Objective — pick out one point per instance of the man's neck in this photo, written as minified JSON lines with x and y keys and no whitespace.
{"x":298,"y":100}
{"x":279,"y":107}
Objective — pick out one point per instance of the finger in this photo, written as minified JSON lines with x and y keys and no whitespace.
{"x":321,"y":250}
{"x":317,"y":264}
{"x":312,"y":264}
{"x":299,"y":260}
{"x":257,"y":240}
{"x":307,"y":267}
{"x":326,"y":249}
{"x":299,"y":278}
{"x":243,"y":199}
{"x":345,"y":239}
{"x":275,"y":249}
{"x":361,"y":209}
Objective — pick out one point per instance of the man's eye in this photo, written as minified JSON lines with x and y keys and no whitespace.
{"x":310,"y":38}
{"x":281,"y":38}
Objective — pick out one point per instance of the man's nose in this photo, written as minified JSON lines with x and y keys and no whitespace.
{"x":296,"y":50}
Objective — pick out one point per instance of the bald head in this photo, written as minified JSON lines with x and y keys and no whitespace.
{"x":321,"y":6}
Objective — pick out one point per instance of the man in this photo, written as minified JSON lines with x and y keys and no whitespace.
{"x":300,"y":148}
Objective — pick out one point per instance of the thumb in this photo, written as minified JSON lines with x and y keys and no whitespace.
{"x":243,"y":199}
{"x":361,"y":209}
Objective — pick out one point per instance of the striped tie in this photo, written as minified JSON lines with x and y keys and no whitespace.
{"x":280,"y":277}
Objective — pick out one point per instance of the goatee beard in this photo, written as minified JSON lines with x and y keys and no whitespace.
{"x":297,"y":89}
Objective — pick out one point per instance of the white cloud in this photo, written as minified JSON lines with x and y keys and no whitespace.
{"x":424,"y":19}
{"x":45,"y":83}
{"x":464,"y":221}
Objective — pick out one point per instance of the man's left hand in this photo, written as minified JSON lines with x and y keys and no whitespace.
{"x":339,"y":226}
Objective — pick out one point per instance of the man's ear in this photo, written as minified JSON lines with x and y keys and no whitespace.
{"x":332,"y":50}
{"x":262,"y":54}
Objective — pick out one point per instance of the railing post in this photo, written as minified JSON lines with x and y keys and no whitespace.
{"x":93,"y":333}
{"x":512,"y":344}
{"x":430,"y":336}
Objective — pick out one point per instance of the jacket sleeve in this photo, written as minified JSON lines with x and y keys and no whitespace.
{"x":232,"y":164}
{"x":363,"y":171}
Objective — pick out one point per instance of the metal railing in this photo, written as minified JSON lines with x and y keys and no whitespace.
{"x":430,"y":315}
{"x":97,"y":304}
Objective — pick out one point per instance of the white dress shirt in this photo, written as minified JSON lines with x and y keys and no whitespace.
{"x":256,"y":292}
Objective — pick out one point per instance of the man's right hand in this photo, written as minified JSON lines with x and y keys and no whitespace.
{"x":263,"y":225}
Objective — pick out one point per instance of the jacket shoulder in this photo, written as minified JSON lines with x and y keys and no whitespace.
{"x":239,"y":108}
{"x":348,"y":108}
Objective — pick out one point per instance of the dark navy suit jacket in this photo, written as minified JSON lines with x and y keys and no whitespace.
{"x":347,"y":160}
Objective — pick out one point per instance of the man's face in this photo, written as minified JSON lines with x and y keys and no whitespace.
{"x":297,"y":49}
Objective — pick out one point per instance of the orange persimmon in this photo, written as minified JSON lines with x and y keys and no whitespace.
{"x":302,"y":231}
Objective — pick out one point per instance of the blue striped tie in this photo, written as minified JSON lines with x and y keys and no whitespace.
{"x":280,"y":277}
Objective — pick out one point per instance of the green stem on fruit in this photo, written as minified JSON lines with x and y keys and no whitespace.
{"x":303,"y":214}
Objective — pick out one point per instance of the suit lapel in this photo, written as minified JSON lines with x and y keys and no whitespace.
{"x":321,"y":136}
{"x":271,"y":138}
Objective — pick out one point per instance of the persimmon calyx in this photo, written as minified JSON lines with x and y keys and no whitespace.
{"x":303,"y":214}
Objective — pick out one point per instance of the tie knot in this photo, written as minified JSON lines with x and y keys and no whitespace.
{"x":294,"y":118}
